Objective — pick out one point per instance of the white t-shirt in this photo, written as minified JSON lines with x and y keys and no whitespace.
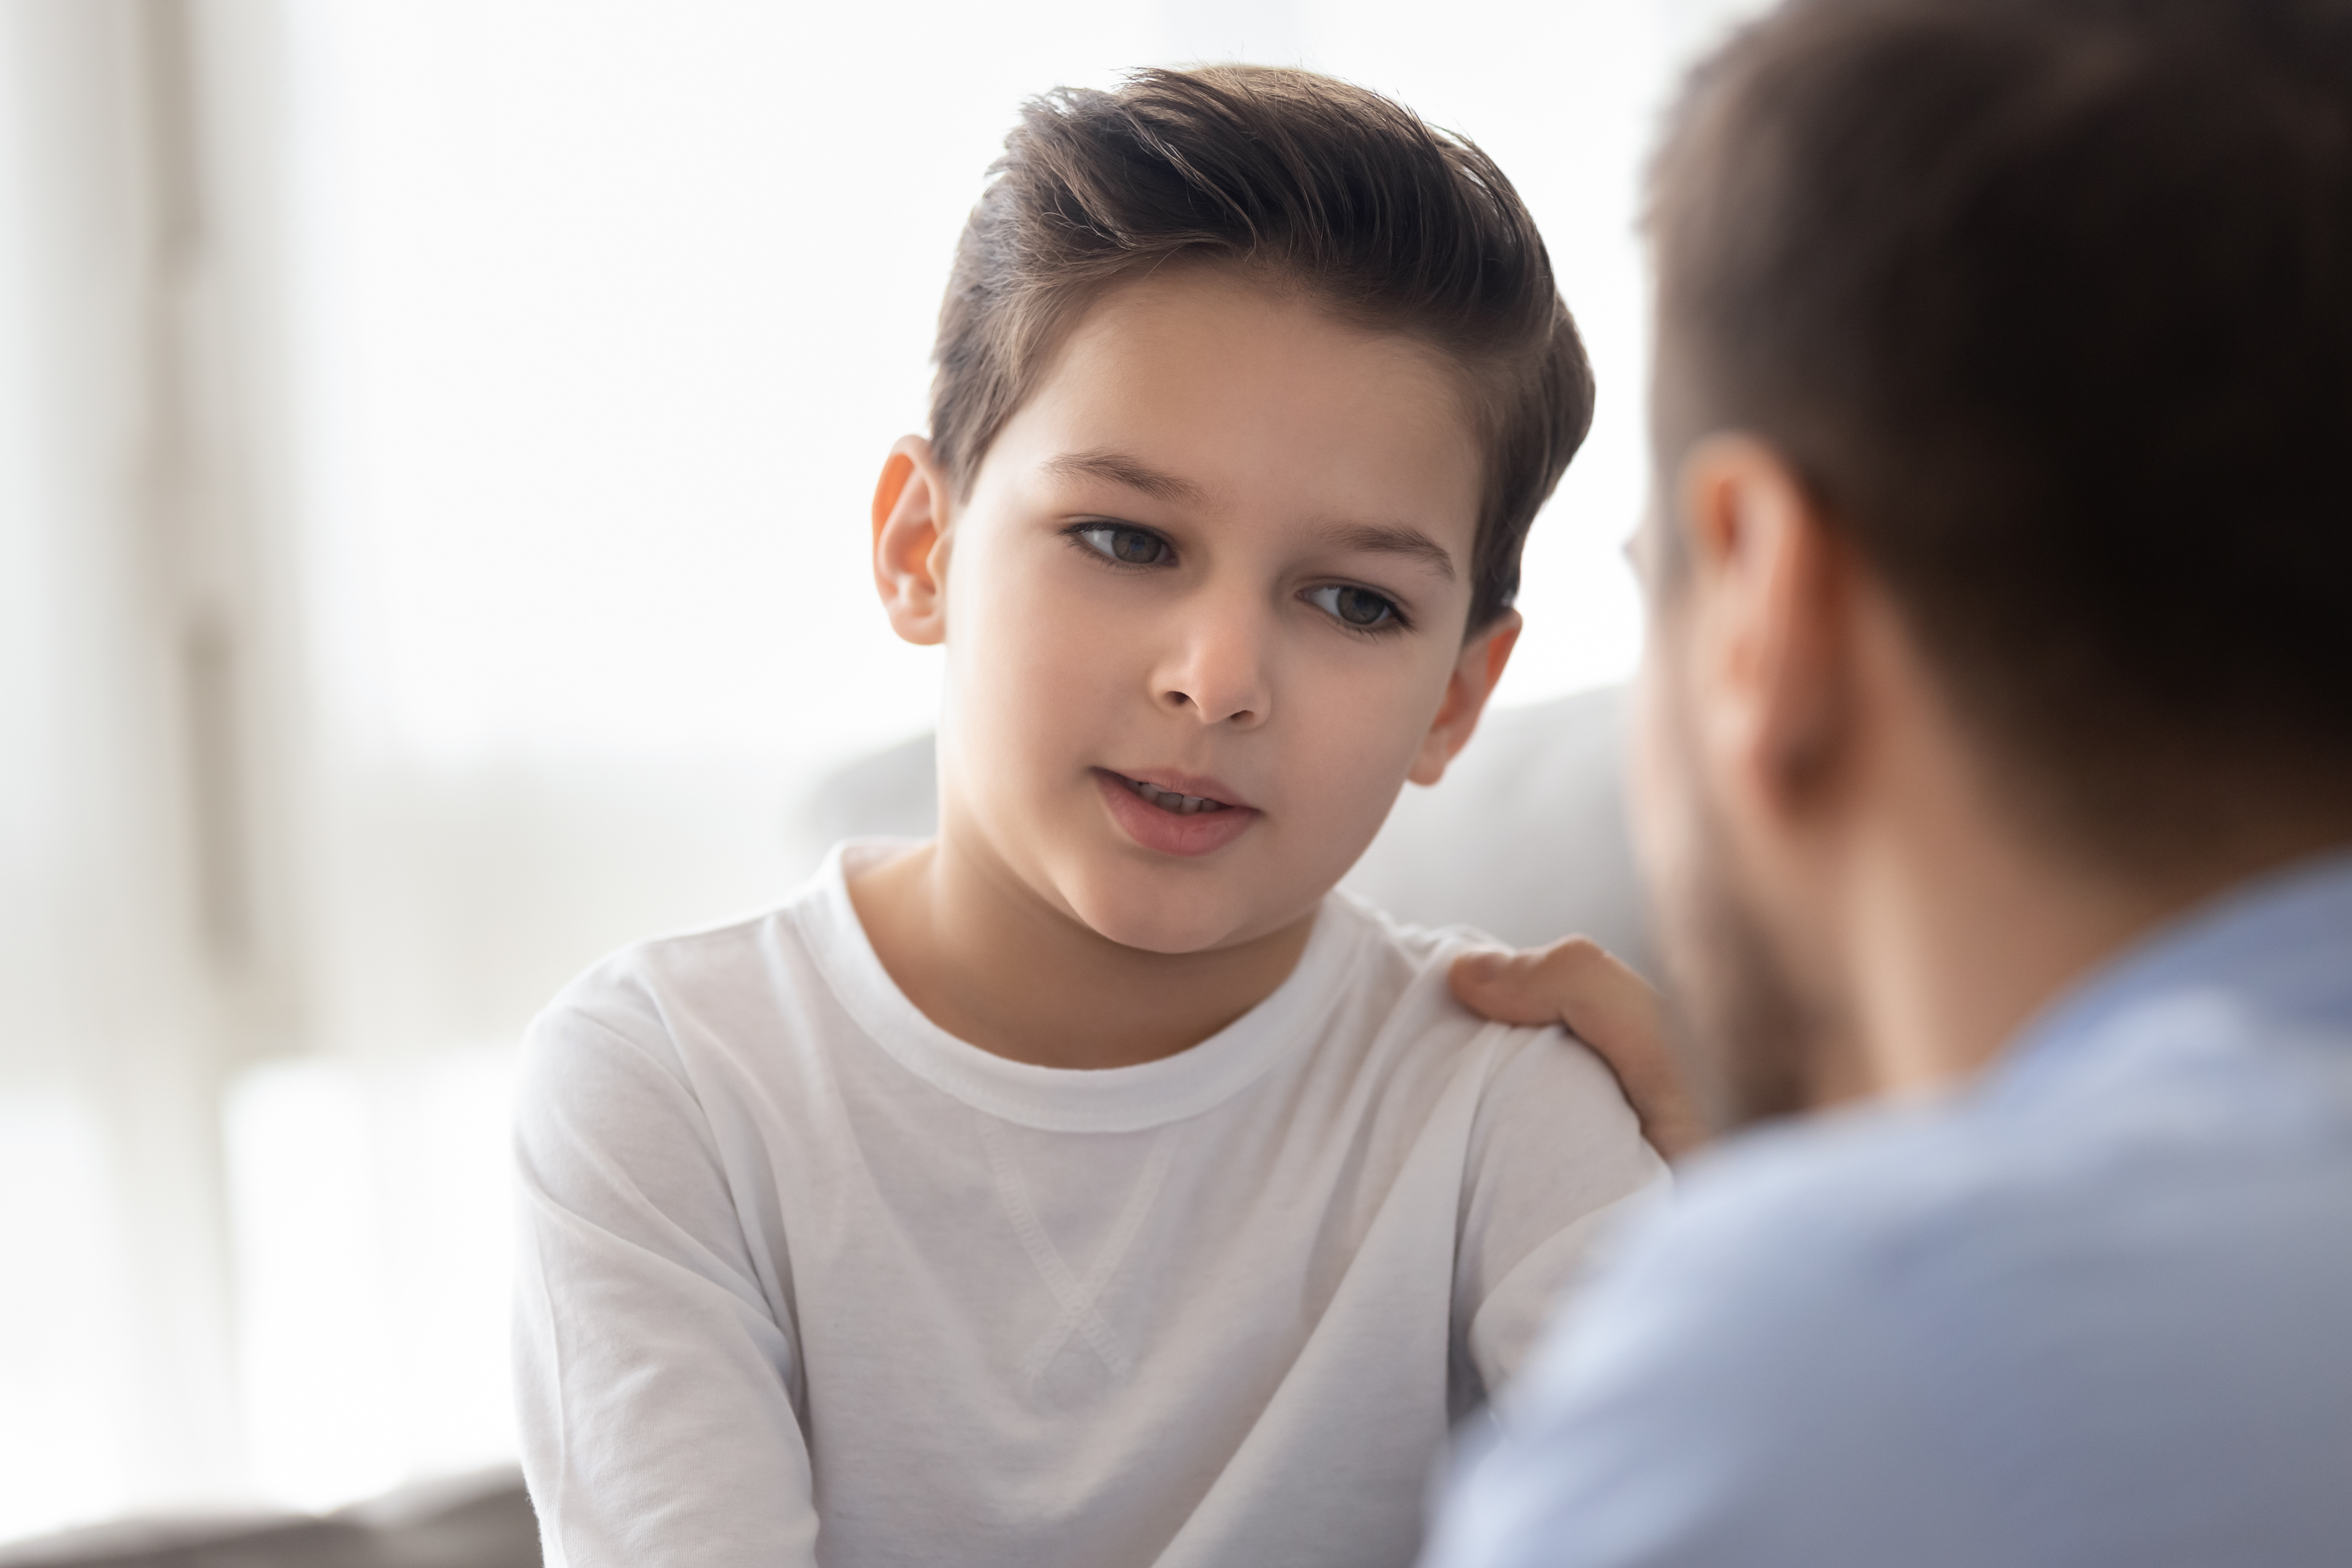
{"x":803,"y":1279}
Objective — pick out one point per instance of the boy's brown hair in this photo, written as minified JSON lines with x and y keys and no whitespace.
{"x":1391,"y":224}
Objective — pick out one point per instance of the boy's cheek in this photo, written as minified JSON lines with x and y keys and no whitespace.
{"x":1038,"y":685}
{"x":1021,"y":622}
{"x":1353,"y":741}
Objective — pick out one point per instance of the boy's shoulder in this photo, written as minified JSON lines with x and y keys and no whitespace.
{"x":648,"y":990}
{"x":1408,"y":1011}
{"x":1401,"y":958}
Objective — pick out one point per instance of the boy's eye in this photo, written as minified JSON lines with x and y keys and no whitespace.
{"x":1128,"y":546}
{"x":1357,"y":607}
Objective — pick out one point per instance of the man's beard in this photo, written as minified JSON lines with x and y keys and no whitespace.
{"x":1750,"y":1042}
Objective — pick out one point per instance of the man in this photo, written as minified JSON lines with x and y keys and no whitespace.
{"x":1995,"y":785}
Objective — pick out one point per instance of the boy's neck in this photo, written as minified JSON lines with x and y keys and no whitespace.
{"x":993,"y":965}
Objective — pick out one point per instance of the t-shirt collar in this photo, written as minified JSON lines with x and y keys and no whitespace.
{"x":1063,"y":1099}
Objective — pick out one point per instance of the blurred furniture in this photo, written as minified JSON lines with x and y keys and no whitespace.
{"x":474,"y":1521}
{"x":1524,"y":839}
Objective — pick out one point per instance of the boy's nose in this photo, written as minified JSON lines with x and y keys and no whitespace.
{"x":1220,"y":673}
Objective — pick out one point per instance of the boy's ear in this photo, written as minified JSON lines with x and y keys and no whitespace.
{"x":1466,"y":690}
{"x":911,"y":507}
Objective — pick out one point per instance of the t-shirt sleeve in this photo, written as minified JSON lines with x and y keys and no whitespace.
{"x":1555,"y":1157}
{"x":655,"y":1383}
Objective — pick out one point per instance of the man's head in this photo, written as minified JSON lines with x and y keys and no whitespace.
{"x":1249,"y":386}
{"x":2005,"y":355}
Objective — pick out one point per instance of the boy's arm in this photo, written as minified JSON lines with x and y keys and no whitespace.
{"x":1576,"y":983}
{"x":1555,"y":1154}
{"x":653,"y":1379}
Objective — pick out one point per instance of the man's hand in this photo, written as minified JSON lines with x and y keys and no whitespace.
{"x":1606,"y":1005}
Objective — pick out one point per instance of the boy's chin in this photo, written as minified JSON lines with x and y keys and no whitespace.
{"x":1175,"y":921}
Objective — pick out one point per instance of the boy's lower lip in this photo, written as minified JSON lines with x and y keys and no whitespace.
{"x":1155,"y":827}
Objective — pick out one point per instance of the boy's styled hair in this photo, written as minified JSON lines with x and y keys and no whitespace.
{"x":1389,"y":223}
{"x":2049,"y":303}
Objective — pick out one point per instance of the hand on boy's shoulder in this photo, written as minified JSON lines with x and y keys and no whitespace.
{"x":1576,"y":983}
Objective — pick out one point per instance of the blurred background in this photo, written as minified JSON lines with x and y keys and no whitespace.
{"x":435,"y":438}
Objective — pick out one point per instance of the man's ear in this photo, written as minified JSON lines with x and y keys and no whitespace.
{"x":912,"y":507}
{"x":1475,"y":672}
{"x":1767,"y":591}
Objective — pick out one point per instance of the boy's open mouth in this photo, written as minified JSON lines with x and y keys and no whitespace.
{"x":1171,"y":821}
{"x":1171,"y":800}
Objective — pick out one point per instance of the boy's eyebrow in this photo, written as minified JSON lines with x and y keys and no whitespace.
{"x":1392,"y":539}
{"x":1387,"y":539}
{"x":1121,"y":469}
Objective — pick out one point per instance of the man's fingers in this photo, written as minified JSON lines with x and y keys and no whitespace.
{"x":1557,"y":984}
{"x":1511,"y":988}
{"x":1579,"y":984}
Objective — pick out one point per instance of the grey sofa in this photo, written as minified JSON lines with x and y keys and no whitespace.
{"x":481,"y":1521}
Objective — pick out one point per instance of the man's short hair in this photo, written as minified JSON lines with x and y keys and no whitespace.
{"x":1390,"y":224}
{"x":2049,"y":303}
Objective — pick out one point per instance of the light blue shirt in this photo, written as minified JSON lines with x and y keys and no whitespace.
{"x":2095,"y":1311}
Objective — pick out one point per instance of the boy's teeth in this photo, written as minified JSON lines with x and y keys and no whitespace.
{"x":1169,"y":800}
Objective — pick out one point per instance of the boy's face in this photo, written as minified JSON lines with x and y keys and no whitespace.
{"x":1224,"y":552}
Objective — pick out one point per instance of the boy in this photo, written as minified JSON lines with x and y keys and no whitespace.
{"x":1092,"y":1185}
